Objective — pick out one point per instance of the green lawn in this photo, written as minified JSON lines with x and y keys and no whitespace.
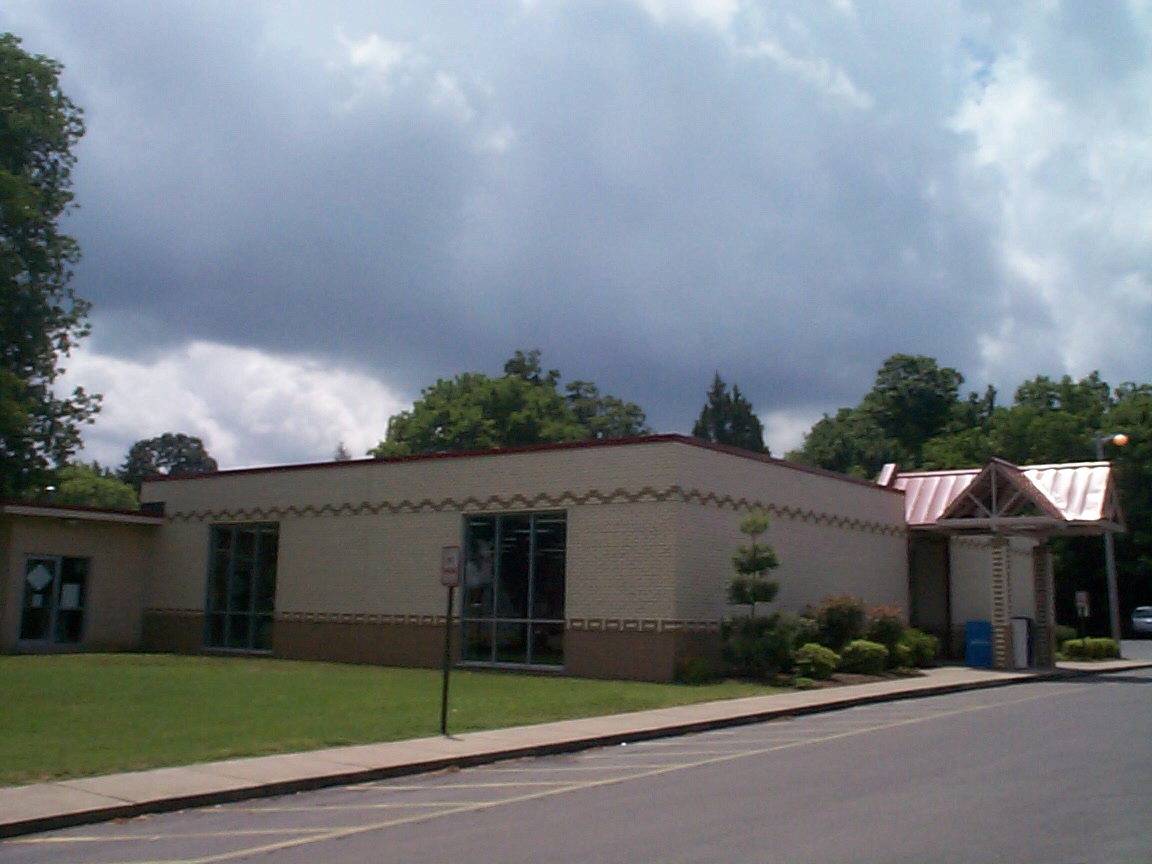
{"x":86,"y":714}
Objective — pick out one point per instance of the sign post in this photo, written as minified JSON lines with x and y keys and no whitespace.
{"x":450,"y":578}
{"x":1082,"y":612}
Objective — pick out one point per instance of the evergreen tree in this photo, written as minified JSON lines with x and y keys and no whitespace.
{"x":728,"y":418}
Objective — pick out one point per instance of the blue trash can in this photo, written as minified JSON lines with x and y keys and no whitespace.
{"x":978,"y":644}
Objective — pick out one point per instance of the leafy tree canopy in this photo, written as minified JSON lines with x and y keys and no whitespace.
{"x":912,"y":400}
{"x":728,"y":418}
{"x":40,"y":317}
{"x":524,"y":406}
{"x":90,"y":485}
{"x":170,"y":454}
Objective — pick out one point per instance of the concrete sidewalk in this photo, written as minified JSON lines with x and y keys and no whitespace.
{"x":46,"y":806}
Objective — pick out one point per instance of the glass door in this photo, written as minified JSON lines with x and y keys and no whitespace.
{"x":55,"y":590}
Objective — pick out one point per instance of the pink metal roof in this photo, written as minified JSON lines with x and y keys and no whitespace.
{"x":927,"y":494}
{"x":1079,"y":490}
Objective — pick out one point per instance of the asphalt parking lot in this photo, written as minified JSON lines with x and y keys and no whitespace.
{"x":402,"y":819}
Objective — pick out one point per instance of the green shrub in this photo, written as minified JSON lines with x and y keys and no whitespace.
{"x":923,"y":648}
{"x":816,"y":661}
{"x":885,"y":627}
{"x":806,"y":631}
{"x":758,"y":647}
{"x":1064,"y":633}
{"x":864,"y":657}
{"x":694,"y":671}
{"x":803,"y":683}
{"x":1091,"y":649}
{"x":841,"y":620}
{"x":900,"y":656}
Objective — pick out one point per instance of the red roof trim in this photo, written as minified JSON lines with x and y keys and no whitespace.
{"x":668,"y":438}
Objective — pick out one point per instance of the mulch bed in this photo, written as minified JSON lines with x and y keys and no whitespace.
{"x":842,"y":679}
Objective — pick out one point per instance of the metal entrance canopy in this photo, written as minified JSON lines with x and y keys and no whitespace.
{"x":1002,"y":498}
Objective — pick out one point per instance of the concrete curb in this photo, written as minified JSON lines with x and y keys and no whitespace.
{"x":248,"y":791}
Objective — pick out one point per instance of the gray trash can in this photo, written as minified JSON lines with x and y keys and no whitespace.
{"x":1021,"y":643}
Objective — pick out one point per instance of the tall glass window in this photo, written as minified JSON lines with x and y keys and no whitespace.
{"x":242,"y":587}
{"x":513,"y":603}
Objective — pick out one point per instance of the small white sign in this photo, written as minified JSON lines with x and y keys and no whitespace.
{"x":70,"y":596}
{"x":1082,"y":607}
{"x":450,"y":566}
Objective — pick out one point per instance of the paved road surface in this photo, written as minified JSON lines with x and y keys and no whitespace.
{"x":1055,"y":772}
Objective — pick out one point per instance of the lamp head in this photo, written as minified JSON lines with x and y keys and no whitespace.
{"x":1119,"y":439}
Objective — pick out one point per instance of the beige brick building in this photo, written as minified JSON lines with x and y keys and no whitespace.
{"x":607,"y":559}
{"x":73,"y":578}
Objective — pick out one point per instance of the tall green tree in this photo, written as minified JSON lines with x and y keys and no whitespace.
{"x":41,"y":318}
{"x":171,"y":454}
{"x":728,"y":418}
{"x":474,"y":411}
{"x":912,"y":400}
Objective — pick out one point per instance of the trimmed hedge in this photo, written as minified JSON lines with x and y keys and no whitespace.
{"x":918,"y":648}
{"x":816,"y":662}
{"x":864,"y":657}
{"x":1091,"y":649}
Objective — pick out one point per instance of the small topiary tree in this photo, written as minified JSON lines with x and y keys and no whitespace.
{"x":753,"y":562}
{"x":757,"y":647}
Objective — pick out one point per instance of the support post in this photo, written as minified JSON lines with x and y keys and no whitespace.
{"x":1113,"y":594}
{"x":1001,"y":603}
{"x":447,"y":662}
{"x":1044,"y":592}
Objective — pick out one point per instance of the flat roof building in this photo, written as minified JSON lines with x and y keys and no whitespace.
{"x":605,"y":559}
{"x":601,"y":559}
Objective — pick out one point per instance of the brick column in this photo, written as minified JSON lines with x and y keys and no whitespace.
{"x":1001,"y":604}
{"x":1045,"y":606}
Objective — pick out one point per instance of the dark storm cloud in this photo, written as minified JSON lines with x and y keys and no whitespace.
{"x":418,"y":190}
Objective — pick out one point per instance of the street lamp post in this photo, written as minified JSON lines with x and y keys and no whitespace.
{"x":1119,"y":439}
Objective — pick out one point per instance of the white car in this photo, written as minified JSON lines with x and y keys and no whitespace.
{"x":1142,"y":621}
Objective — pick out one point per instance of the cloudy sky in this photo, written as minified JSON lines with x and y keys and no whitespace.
{"x":296,"y":214}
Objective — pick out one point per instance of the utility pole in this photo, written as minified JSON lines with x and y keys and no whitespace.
{"x":1119,"y":439}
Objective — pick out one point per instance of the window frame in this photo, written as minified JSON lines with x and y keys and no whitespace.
{"x":255,"y":619}
{"x":490,"y":621}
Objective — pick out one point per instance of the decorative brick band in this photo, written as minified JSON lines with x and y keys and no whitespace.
{"x":640,"y":625}
{"x":607,"y":625}
{"x":540,"y":501}
{"x":360,"y":618}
